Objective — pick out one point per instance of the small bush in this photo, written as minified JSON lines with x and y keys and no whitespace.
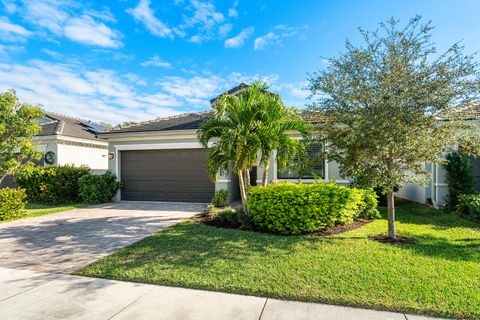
{"x":469,"y":205}
{"x":460,"y":178}
{"x":368,"y":207}
{"x":219,"y":199}
{"x":12,"y":203}
{"x":98,"y":188}
{"x":288,"y":208}
{"x":51,"y":185}
{"x":233,"y":217}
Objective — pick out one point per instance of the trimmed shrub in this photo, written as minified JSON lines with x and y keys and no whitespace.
{"x":469,"y":205}
{"x":12,"y":203}
{"x":98,"y":188}
{"x":51,"y":185}
{"x":219,"y":199}
{"x":460,"y":177}
{"x":289,"y":208}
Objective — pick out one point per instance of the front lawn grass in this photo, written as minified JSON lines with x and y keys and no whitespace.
{"x":439,"y":275}
{"x":35,"y":209}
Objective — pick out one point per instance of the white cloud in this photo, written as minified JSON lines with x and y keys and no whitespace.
{"x":52,"y":53}
{"x":281,"y":32}
{"x":12,"y":32}
{"x":239,"y":39}
{"x":261,"y":43}
{"x":156,"y":61}
{"x":102,"y":95}
{"x":7,"y":50}
{"x":225,"y":29}
{"x":232,"y":12}
{"x":72,"y":20}
{"x":208,"y":22}
{"x":88,"y":31}
{"x":144,"y":14}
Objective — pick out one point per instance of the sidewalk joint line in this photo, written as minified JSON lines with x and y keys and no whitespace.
{"x":128,"y":305}
{"x":405,"y":315}
{"x":34,"y":287}
{"x":263,"y":309}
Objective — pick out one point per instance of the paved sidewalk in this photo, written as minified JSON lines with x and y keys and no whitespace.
{"x":66,"y":241}
{"x":29,"y":295}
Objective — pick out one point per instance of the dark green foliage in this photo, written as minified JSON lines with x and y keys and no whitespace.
{"x":460,"y":177}
{"x":51,"y":185}
{"x":368,"y":207}
{"x":219,"y":199}
{"x":469,"y":205}
{"x":288,"y":208}
{"x":98,"y":188}
{"x":12,"y":203}
{"x":229,"y":216}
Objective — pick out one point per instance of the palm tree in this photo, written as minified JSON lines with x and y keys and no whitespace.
{"x":277,"y":123}
{"x":234,"y":133}
{"x":242,"y":125}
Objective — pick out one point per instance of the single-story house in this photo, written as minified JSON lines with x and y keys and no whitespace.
{"x":65,"y":140}
{"x":162,"y":160}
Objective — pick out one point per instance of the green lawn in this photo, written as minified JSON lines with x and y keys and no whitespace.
{"x":439,"y":275}
{"x":34,"y":210}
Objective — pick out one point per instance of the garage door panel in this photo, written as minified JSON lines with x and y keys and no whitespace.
{"x":165,"y":175}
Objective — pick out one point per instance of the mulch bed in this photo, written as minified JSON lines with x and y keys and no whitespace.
{"x":385,"y":239}
{"x":340,"y":228}
{"x":205,"y":219}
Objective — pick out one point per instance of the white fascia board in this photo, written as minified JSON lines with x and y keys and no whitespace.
{"x":53,"y":138}
{"x":150,"y":135}
{"x":159,"y":146}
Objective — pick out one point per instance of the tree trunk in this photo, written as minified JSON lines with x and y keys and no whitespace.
{"x":247,"y":180}
{"x":265,"y":173}
{"x":391,"y":215}
{"x":243,"y":193}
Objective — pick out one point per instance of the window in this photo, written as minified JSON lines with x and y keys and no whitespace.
{"x":313,"y":166}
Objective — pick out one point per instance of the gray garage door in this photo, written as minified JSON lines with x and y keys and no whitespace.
{"x":165,"y":175}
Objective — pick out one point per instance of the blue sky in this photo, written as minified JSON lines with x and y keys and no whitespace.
{"x":118,"y":61}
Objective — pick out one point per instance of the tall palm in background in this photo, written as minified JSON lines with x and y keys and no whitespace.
{"x":276,"y":127}
{"x":243,"y":125}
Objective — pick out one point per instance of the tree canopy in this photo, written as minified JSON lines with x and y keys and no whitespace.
{"x":380,"y":105}
{"x":18,"y":126}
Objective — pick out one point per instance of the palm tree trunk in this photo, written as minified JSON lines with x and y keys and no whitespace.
{"x":265,"y":173}
{"x":243,"y":193}
{"x":247,"y":180}
{"x":391,"y":215}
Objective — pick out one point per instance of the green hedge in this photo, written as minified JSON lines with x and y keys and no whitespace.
{"x":460,"y":178}
{"x":98,"y":188}
{"x":289,"y":208}
{"x":12,"y":203}
{"x":51,"y":185}
{"x":469,"y":205}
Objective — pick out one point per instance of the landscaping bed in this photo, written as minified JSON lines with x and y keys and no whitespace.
{"x":438,"y":275}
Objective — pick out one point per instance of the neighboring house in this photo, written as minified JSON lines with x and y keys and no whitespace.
{"x":69,"y":141}
{"x":162,"y":160}
{"x":436,"y":190}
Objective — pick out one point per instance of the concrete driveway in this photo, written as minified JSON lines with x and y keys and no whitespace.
{"x":67,"y":241}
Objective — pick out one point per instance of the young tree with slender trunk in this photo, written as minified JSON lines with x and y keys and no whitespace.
{"x":379,"y":106}
{"x":18,"y":126}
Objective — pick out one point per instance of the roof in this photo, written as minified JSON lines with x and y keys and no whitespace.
{"x":57,"y":124}
{"x":186,"y":121}
{"x":234,"y":91}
